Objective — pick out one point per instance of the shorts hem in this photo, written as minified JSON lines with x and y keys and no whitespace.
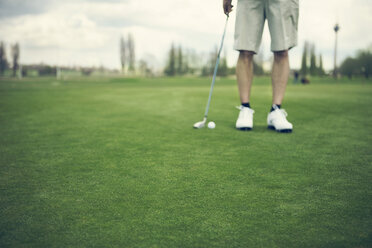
{"x":289,"y":47}
{"x":245,"y":49}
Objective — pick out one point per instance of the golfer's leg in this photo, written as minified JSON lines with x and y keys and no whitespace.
{"x":244,"y":75}
{"x":279,"y":76}
{"x":250,"y":19}
{"x":282,"y":18}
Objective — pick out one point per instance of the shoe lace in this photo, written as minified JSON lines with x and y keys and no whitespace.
{"x":244,"y":113}
{"x":283,"y":112}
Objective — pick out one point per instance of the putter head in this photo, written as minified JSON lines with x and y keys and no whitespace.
{"x":200,"y":124}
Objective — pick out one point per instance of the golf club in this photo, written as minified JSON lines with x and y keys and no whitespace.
{"x":201,"y":124}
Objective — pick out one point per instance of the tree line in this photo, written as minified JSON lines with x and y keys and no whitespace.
{"x":359,"y":65}
{"x":14,"y":64}
{"x":127,"y":54}
{"x":311,"y":64}
{"x":182,"y":61}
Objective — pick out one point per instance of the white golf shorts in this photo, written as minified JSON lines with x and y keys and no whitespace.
{"x":281,"y":15}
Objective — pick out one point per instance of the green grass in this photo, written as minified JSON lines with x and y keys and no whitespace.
{"x":115,"y":162}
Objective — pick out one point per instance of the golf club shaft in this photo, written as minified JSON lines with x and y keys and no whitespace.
{"x":215,"y":70}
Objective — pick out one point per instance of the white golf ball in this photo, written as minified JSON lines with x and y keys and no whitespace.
{"x":211,"y":125}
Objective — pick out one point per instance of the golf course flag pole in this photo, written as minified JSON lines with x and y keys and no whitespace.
{"x":201,"y":124}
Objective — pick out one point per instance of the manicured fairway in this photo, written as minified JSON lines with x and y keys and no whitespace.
{"x":115,"y":162}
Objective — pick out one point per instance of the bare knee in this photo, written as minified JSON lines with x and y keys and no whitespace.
{"x":246,"y":56}
{"x":280,"y":55}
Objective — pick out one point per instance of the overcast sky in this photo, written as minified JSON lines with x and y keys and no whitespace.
{"x":82,"y":32}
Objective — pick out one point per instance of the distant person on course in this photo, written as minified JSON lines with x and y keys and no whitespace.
{"x":282,"y":17}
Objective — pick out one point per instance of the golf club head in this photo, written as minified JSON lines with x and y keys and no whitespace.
{"x":200,"y":124}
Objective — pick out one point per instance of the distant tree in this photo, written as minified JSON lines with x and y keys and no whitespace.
{"x":320,"y":67}
{"x":123,"y":54}
{"x":186,"y":66}
{"x":313,"y":68}
{"x":364,"y":60}
{"x":3,"y":59}
{"x":86,"y":71}
{"x":131,"y":53}
{"x":232,"y":70}
{"x":349,"y":67}
{"x":208,"y":68}
{"x":144,"y":68}
{"x":46,"y":70}
{"x":304,"y":60}
{"x":194,"y":61}
{"x":360,"y":65}
{"x":15,"y":56}
{"x":179,"y":61}
{"x":257,"y":68}
{"x":223,"y":70}
{"x":258,"y":61}
{"x":170,"y":69}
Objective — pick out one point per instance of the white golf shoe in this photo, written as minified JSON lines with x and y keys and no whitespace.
{"x":277,"y":120}
{"x":245,"y":119}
